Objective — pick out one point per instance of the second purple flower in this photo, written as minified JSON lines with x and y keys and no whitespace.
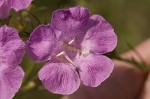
{"x":11,"y":53}
{"x":7,"y":5}
{"x":72,"y":47}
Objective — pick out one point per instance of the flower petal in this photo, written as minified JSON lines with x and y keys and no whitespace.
{"x":101,"y":38}
{"x":41,"y":43}
{"x":10,"y":81}
{"x":70,"y":21}
{"x":94,"y":69}
{"x":59,"y":78}
{"x":4,"y":10}
{"x":18,"y":4}
{"x":1,"y":2}
{"x":10,"y":45}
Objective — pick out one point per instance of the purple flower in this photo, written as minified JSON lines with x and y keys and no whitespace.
{"x":72,"y":47}
{"x":11,"y":53}
{"x":6,"y":5}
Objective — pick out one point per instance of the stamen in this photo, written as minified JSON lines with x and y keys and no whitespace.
{"x":85,"y":52}
{"x":58,"y":57}
{"x":72,"y":48}
{"x":71,"y":41}
{"x":66,"y":56}
{"x":61,"y":53}
{"x":62,"y":59}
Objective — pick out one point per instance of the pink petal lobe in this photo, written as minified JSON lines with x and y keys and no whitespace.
{"x":1,"y":2}
{"x":70,"y":22}
{"x":94,"y":69}
{"x":10,"y":45}
{"x":4,"y":10}
{"x":10,"y":81}
{"x":59,"y":78}
{"x":100,"y":38}
{"x":18,"y":4}
{"x":41,"y":43}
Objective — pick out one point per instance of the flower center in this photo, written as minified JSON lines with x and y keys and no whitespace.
{"x":70,"y":47}
{"x":74,"y":49}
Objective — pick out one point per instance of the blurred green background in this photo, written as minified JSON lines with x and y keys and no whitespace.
{"x":130,"y":19}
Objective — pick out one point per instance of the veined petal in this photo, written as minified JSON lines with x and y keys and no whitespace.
{"x":11,"y":46}
{"x":18,"y":4}
{"x":4,"y":10}
{"x":70,"y":21}
{"x":10,"y":81}
{"x":94,"y":69}
{"x":8,"y":34}
{"x":41,"y":43}
{"x":1,"y":2}
{"x":101,"y":38}
{"x":59,"y":78}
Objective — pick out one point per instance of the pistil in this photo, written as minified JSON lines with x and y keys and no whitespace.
{"x":72,"y":48}
{"x":67,"y":59}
